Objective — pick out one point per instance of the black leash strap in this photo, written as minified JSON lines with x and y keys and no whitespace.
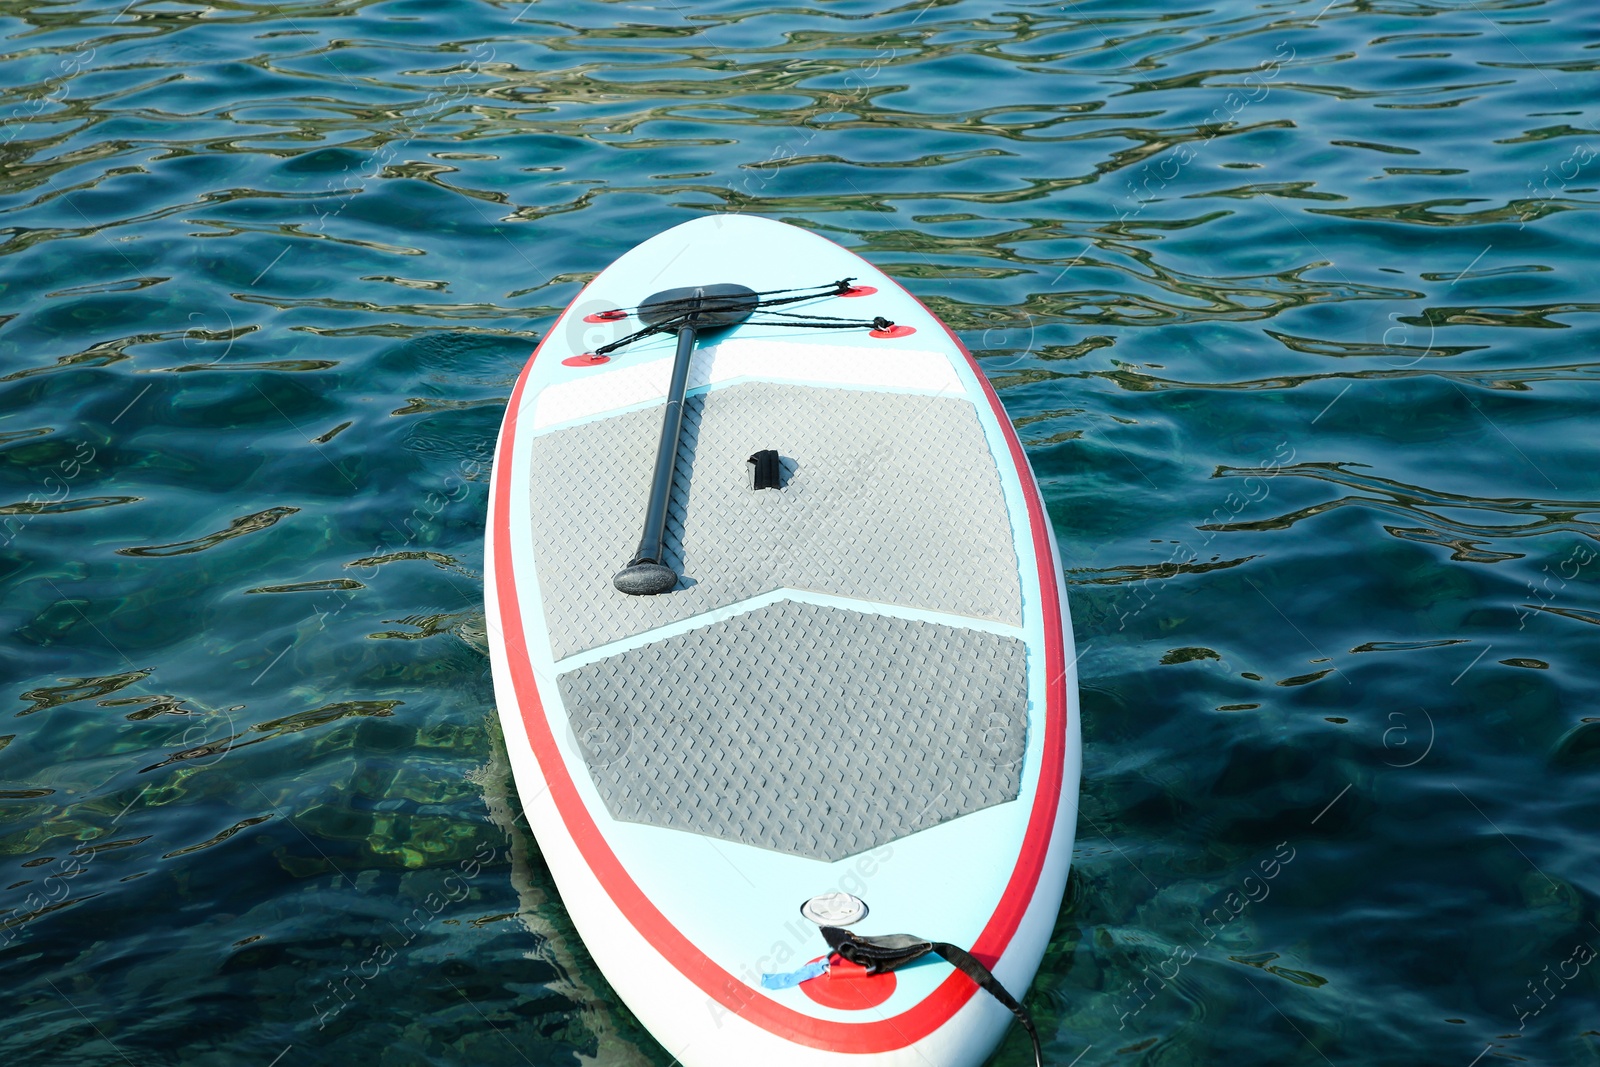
{"x":893,"y":951}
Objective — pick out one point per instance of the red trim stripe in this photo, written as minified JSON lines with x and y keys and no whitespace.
{"x":1041,"y":822}
{"x":950,"y":995}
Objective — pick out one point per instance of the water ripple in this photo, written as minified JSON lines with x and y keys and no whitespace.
{"x":1290,"y":301}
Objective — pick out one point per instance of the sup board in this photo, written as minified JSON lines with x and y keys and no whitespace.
{"x":850,"y":709}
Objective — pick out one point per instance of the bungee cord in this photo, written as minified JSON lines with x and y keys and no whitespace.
{"x":778,"y":297}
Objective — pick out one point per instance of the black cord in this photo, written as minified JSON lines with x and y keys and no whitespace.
{"x":800,"y":315}
{"x":879,"y":323}
{"x":818,"y":322}
{"x":835,"y":288}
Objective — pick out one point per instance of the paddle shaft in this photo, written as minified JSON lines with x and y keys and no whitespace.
{"x":655,"y":516}
{"x":688,"y":309}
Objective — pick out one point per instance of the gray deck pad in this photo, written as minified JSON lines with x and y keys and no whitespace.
{"x":889,"y":497}
{"x":810,"y":730}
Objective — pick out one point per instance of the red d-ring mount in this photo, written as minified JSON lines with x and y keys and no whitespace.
{"x":858,"y":290}
{"x":605,"y":316}
{"x":588,"y":359}
{"x":849,"y":987}
{"x":893,"y":331}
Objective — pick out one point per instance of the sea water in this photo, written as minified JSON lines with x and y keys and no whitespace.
{"x":1291,"y":302}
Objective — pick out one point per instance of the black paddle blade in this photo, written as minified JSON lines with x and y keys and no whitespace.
{"x":701,"y":306}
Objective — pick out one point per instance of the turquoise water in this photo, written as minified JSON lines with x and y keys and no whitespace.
{"x":1291,"y":304}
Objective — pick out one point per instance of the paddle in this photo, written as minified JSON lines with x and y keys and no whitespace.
{"x":690,"y":309}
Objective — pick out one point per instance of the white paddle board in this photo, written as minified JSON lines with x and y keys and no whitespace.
{"x":859,"y":699}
